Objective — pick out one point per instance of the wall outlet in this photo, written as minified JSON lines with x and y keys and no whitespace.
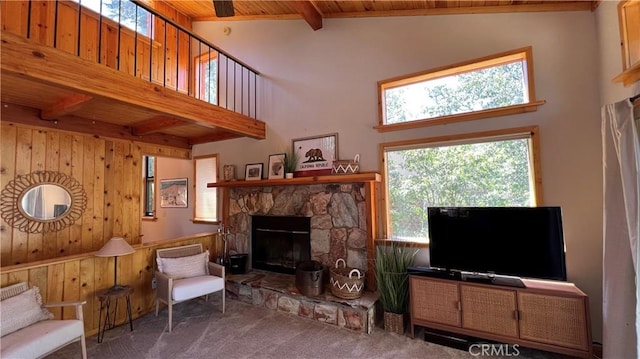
{"x":154,"y":283}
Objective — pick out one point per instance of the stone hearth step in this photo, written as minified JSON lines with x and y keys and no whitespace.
{"x":278,"y":291}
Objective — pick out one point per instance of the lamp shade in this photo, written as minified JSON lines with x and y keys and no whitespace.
{"x":116,"y":246}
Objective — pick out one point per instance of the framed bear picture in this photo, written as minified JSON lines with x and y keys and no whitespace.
{"x":316,"y":154}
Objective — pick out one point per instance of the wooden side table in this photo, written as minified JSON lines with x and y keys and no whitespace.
{"x":108,"y":299}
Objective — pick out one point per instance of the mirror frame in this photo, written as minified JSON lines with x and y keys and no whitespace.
{"x":11,"y":199}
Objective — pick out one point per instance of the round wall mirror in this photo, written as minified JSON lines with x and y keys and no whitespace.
{"x":45,"y":202}
{"x":42,"y":201}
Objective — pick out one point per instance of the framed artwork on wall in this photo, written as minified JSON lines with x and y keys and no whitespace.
{"x":173,"y":193}
{"x":276,"y":166}
{"x":253,"y":172}
{"x":316,"y":154}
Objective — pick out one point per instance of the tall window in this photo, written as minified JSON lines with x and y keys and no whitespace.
{"x":488,"y":169}
{"x":496,"y":85}
{"x":206,"y":77}
{"x":124,"y":12}
{"x":206,"y":199}
{"x":149,"y":185}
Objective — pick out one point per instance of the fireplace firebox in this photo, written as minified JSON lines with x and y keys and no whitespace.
{"x":279,"y":242}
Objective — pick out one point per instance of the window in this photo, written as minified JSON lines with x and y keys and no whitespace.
{"x":206,"y":74}
{"x":493,"y":86}
{"x":149,"y":186}
{"x":495,"y":168}
{"x":206,"y":199}
{"x":124,"y":12}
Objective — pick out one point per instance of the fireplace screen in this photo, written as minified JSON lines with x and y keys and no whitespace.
{"x":279,"y":242}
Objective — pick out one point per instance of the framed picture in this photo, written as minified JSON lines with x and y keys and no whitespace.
{"x":173,"y":193}
{"x":276,"y":166}
{"x":315,"y":154}
{"x":253,"y":172}
{"x":229,"y":172}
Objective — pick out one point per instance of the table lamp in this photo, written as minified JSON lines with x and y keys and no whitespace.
{"x":115,"y":247}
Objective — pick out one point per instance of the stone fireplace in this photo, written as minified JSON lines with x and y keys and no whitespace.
{"x":337,"y":215}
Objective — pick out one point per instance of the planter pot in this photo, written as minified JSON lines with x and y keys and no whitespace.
{"x":394,"y":322}
{"x":288,"y":175}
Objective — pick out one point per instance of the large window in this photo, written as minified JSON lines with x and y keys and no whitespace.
{"x":124,"y":12}
{"x":496,"y":85}
{"x":206,"y":199}
{"x":495,"y":168}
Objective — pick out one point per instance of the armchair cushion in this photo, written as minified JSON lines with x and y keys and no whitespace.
{"x":22,"y":310}
{"x":188,"y":288}
{"x":184,"y":267}
{"x":41,"y":338}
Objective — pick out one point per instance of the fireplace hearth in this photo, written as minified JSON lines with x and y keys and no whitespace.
{"x":279,"y":242}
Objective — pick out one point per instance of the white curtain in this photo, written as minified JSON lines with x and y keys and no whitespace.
{"x":621,"y":180}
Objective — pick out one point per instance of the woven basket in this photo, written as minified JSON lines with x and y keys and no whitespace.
{"x":393,"y":322}
{"x":346,"y":283}
{"x":343,"y":167}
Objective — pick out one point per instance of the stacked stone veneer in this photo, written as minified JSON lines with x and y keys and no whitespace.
{"x":337,"y":211}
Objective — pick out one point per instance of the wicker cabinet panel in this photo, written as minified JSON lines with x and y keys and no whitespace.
{"x":435,"y":301}
{"x":489,"y":310}
{"x":553,"y":320}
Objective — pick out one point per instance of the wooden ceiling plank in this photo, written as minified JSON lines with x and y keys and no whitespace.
{"x":156,"y":124}
{"x":12,"y":113}
{"x":309,"y":13}
{"x":66,"y":106}
{"x":213,"y":137}
{"x":23,"y":58}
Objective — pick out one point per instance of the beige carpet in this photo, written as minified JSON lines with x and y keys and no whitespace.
{"x":245,"y":331}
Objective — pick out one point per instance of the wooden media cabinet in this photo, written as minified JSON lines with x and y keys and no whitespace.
{"x":546,"y":315}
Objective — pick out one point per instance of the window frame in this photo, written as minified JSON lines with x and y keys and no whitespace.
{"x":522,"y":54}
{"x":198,"y":81}
{"x":145,"y":180}
{"x":218,"y":218}
{"x":532,"y":132}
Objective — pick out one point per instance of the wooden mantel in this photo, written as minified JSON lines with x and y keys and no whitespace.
{"x":358,"y":177}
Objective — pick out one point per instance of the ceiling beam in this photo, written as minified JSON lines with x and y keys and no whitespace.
{"x":309,"y":13}
{"x":65,"y":106}
{"x":12,"y":113}
{"x":213,"y":137}
{"x":156,"y":124}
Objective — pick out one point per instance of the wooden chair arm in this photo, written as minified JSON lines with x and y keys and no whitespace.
{"x":77,"y":304}
{"x":216,"y":269}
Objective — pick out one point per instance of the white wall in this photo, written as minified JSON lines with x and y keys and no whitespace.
{"x":325,"y":81}
{"x":173,"y":222}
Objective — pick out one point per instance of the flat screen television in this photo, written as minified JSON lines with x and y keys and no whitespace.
{"x":515,"y":241}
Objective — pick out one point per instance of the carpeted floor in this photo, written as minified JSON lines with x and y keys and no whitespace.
{"x":246,"y":331}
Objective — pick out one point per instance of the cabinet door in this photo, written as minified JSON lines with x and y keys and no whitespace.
{"x":553,"y":320}
{"x":435,"y":301}
{"x":489,"y":310}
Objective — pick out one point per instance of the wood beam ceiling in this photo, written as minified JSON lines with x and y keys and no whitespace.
{"x":68,"y":105}
{"x":309,"y":13}
{"x":156,"y":125}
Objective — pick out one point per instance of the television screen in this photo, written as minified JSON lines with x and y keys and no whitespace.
{"x":515,"y":241}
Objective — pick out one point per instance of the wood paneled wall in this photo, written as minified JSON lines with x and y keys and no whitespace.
{"x":81,"y":277}
{"x":164,"y":60}
{"x":109,"y":170}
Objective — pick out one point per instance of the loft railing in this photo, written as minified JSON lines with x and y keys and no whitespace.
{"x":131,"y":37}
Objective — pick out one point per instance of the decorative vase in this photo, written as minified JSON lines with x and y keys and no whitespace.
{"x":394,"y":323}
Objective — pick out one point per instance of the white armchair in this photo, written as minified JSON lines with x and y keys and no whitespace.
{"x":28,"y":330}
{"x":185,"y":273}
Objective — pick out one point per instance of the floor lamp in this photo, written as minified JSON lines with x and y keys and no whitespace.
{"x":115,"y":247}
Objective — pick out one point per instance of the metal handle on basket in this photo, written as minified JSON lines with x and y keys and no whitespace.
{"x":354,"y":270}
{"x":356,"y":159}
{"x":343,"y":262}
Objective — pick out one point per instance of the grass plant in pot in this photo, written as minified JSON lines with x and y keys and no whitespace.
{"x":290,"y":163}
{"x":392,"y":277}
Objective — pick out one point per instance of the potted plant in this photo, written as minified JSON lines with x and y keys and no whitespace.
{"x":290,"y":163}
{"x":392,"y":263}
